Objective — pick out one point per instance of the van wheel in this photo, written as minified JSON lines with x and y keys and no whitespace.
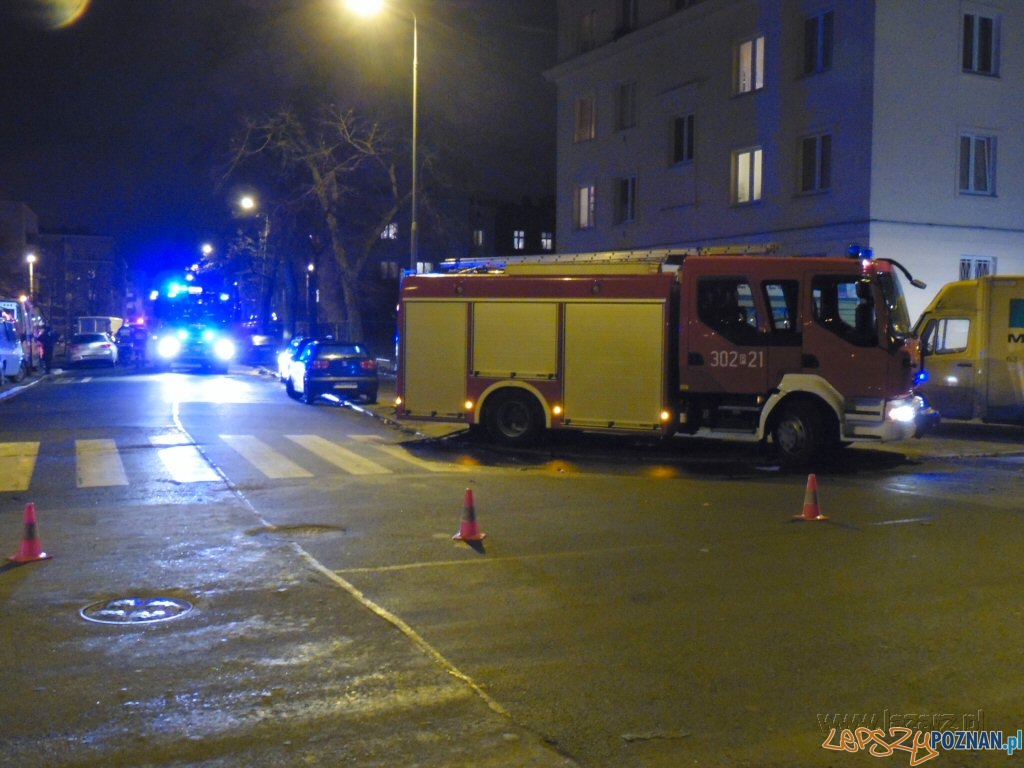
{"x":799,"y":436}
{"x":514,"y":418}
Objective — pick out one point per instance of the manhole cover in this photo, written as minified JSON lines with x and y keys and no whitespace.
{"x":135,"y":610}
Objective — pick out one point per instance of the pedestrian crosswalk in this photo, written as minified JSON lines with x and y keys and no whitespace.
{"x":105,"y":463}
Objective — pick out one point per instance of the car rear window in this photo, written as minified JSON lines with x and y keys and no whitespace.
{"x":341,"y":350}
{"x":88,"y":338}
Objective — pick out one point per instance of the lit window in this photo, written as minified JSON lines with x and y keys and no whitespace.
{"x":625,"y":200}
{"x":977,"y":164}
{"x":519,"y":239}
{"x":818,"y":43}
{"x":478,"y":238}
{"x":816,"y":163}
{"x":981,"y":44}
{"x":585,"y":119}
{"x":750,"y":65}
{"x":746,"y":174}
{"x":625,"y":112}
{"x":682,"y":139}
{"x":390,"y":232}
{"x":583,"y":207}
{"x":547,"y":241}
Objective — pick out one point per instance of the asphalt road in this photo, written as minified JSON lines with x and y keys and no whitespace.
{"x":627,"y":608}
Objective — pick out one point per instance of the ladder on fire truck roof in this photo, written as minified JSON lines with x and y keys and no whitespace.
{"x":652,"y":260}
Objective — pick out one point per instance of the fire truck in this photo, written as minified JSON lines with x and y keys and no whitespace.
{"x":804,"y":353}
{"x":192,"y":326}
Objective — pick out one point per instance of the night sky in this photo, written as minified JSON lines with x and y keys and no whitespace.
{"x":119,"y":123}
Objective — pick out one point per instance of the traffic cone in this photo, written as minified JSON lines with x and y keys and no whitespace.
{"x":31,"y":548}
{"x":811,"y":509}
{"x":468,"y":531}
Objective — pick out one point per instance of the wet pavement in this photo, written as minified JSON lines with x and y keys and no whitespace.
{"x":198,"y":634}
{"x":277,"y":662}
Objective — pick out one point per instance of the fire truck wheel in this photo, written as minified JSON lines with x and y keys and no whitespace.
{"x":799,"y":435}
{"x":513,"y":418}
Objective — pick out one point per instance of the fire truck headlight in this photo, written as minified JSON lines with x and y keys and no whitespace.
{"x":903,"y":411}
{"x":224,"y":349}
{"x":168,"y":347}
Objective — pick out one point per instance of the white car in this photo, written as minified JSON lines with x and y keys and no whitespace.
{"x":13,"y":364}
{"x":87,"y":348}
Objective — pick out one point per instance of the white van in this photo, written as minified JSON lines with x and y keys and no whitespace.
{"x":12,"y":355}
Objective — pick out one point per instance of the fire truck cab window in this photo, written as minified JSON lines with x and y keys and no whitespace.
{"x":846,"y":307}
{"x":782,"y":298}
{"x":727,"y":305}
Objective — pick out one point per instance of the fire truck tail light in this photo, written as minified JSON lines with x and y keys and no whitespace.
{"x":468,"y":405}
{"x":556,"y":410}
{"x":398,"y":400}
{"x":665,"y":416}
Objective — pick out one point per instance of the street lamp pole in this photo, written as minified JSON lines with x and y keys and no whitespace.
{"x":29,"y":308}
{"x":413,"y":226}
{"x":369,"y":8}
{"x":31,"y":259}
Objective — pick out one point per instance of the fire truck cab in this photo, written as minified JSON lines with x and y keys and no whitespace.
{"x":807,"y":353}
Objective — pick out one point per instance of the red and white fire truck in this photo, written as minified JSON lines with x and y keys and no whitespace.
{"x":805,"y":352}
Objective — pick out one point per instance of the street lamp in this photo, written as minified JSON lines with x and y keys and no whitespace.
{"x":29,"y":308}
{"x":31,"y":259}
{"x":312,"y":315}
{"x":370,"y":8}
{"x":249,"y":205}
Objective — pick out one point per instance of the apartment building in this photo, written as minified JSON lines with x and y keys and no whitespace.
{"x":809,"y":125}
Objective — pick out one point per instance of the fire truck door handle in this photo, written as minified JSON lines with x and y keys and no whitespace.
{"x":695,"y":358}
{"x":965,"y":365}
{"x":808,"y":361}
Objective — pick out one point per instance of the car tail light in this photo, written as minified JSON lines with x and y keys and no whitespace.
{"x":368,"y":365}
{"x":320,"y":365}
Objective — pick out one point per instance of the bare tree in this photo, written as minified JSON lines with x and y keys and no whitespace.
{"x":342,"y":165}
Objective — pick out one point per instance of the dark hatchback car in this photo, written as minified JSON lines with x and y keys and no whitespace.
{"x":325,"y":367}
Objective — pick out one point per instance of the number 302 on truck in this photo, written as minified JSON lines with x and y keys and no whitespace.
{"x":804,"y":353}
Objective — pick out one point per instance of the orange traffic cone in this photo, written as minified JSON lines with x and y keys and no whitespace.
{"x":31,"y":549}
{"x":468,"y":531}
{"x":811,"y":509}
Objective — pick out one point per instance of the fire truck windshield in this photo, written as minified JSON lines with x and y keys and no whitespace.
{"x":899,"y":315}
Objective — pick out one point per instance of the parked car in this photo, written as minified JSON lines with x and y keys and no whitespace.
{"x":13,"y":364}
{"x":327,"y":367}
{"x":86,"y":348}
{"x":289,"y":353}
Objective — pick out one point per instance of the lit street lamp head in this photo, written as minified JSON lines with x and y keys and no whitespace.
{"x":365,"y":7}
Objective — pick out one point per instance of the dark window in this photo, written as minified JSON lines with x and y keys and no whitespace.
{"x":816,"y":163}
{"x":818,"y":43}
{"x":682,"y":139}
{"x":980,"y":44}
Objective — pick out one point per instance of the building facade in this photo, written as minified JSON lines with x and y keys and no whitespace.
{"x":808,"y":125}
